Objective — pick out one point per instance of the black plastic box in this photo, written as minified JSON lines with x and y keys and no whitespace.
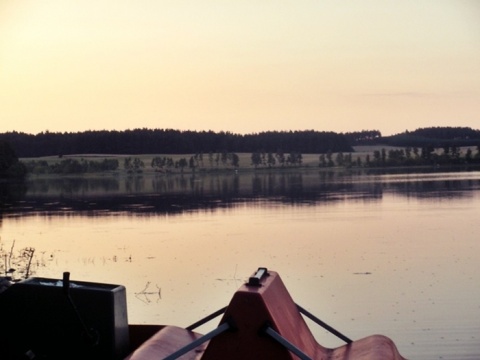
{"x":39,"y":320}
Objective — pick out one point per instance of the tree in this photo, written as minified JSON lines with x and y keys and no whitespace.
{"x":191,"y":163}
{"x":408,"y":152}
{"x":199,"y":159}
{"x":367,"y":160}
{"x":210,"y":159}
{"x":138,"y":165}
{"x":235,"y":160}
{"x":270,"y":159}
{"x":396,"y":157}
{"x":446,"y":150}
{"x":339,"y":159}
{"x":330,"y":162}
{"x":376,"y":157}
{"x":256,"y":159}
{"x":323,"y":160}
{"x":468,"y":155}
{"x":127,"y":164}
{"x":264,"y":158}
{"x":8,"y":157}
{"x":10,"y":166}
{"x":134,"y":165}
{"x":224,"y":158}
{"x":182,"y":163}
{"x":280,"y":157}
{"x":426,"y":153}
{"x":294,"y":158}
{"x":299,"y":158}
{"x":157,"y":163}
{"x":455,"y":152}
{"x":415,"y":152}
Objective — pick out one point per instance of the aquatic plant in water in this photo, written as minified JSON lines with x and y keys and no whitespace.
{"x":16,"y":265}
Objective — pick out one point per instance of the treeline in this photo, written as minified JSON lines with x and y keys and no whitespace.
{"x":425,"y":156}
{"x":364,"y":137}
{"x":133,"y":165}
{"x":158,"y":141}
{"x":167,"y":141}
{"x":428,"y":155}
{"x":167,"y":164}
{"x":278,"y":159}
{"x":437,"y":137}
{"x":423,"y":137}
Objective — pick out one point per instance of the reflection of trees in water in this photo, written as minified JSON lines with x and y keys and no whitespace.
{"x":72,"y":185}
{"x":134,"y":184}
{"x":10,"y":194}
{"x":224,"y":186}
{"x":178,"y":193}
{"x":277,"y":184}
{"x":434,"y":189}
{"x":163,"y":184}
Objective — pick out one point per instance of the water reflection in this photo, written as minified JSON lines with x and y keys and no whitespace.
{"x":351,"y":245}
{"x":72,"y":185}
{"x":154,"y":194}
{"x":10,"y":194}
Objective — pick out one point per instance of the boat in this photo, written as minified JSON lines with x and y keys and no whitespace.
{"x":63,"y":319}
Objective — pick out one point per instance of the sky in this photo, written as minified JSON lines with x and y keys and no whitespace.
{"x":239,"y":66}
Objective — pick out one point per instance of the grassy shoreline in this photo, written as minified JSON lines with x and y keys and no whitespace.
{"x":309,"y":162}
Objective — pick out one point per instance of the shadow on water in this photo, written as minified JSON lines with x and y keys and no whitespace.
{"x":171,"y":194}
{"x":11,"y":193}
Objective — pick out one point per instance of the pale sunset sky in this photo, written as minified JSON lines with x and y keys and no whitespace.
{"x":242,"y":66}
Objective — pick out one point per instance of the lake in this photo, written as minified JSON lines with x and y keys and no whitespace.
{"x":368,"y":252}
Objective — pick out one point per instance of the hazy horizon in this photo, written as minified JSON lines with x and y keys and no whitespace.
{"x":242,"y":67}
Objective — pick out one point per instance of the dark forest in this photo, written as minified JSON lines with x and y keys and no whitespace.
{"x":145,"y":141}
{"x":167,"y":141}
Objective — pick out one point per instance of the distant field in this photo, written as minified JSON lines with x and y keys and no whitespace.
{"x":245,"y":163}
{"x":310,"y":160}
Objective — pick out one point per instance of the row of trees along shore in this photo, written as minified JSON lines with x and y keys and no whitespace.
{"x":160,"y":164}
{"x":260,"y":160}
{"x":426,"y":156}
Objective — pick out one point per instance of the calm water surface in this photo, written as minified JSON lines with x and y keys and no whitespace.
{"x":392,"y":254}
